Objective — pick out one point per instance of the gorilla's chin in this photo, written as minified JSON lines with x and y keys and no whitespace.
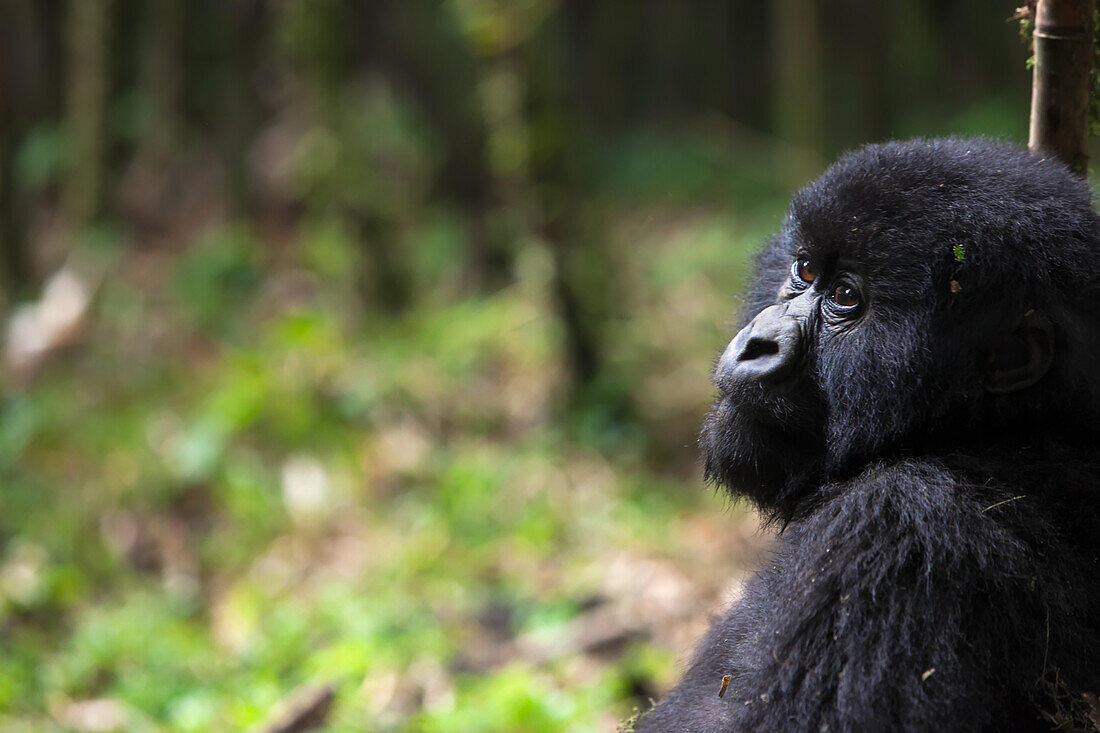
{"x":768,"y":462}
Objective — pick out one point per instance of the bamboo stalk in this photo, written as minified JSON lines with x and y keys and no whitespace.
{"x":1060,"y":81}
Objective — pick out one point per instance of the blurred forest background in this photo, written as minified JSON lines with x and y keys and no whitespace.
{"x":354,"y":351}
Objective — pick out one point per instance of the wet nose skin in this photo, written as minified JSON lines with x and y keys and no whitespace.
{"x":766,"y":349}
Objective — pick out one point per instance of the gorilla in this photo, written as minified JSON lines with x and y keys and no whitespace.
{"x":914,"y":403}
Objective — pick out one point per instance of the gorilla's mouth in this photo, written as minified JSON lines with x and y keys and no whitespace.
{"x":759,"y":449}
{"x":792,"y":405}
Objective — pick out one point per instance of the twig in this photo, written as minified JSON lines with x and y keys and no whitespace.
{"x":305,"y":709}
{"x":1006,"y":501}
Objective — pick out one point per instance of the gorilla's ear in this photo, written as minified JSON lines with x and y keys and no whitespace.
{"x":1022,"y":356}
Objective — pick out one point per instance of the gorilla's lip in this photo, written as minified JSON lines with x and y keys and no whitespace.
{"x":778,"y":386}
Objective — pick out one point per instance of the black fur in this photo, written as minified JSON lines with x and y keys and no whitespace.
{"x":938,"y":564}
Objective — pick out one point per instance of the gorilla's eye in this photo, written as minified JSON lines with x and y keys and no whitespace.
{"x":845,"y":296}
{"x":804,"y":271}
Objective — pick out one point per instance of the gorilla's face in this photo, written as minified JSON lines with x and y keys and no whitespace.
{"x":897,"y":308}
{"x":825,"y":372}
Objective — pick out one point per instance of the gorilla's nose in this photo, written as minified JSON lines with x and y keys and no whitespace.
{"x":766,"y":349}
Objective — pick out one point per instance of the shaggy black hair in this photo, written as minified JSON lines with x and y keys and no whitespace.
{"x":938,"y":564}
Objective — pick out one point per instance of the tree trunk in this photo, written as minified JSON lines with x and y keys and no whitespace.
{"x":798,"y":96}
{"x":1060,"y":85}
{"x":247,"y":25}
{"x":21,"y":79}
{"x":87,"y":94}
{"x":162,"y":76}
{"x":419,"y":43}
{"x":582,"y":271}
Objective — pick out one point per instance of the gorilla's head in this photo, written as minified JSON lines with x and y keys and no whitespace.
{"x":933,"y":293}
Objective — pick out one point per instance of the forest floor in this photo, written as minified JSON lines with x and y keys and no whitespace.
{"x":235,"y":491}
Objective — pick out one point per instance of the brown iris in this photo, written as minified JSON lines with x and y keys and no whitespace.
{"x":845,"y":296}
{"x":805,"y":271}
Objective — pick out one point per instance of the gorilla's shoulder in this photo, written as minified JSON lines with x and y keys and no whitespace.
{"x":917,"y":510}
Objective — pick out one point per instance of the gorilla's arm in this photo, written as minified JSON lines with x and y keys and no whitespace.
{"x":902,"y":602}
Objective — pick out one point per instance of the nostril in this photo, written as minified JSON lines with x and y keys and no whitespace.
{"x":758,"y":347}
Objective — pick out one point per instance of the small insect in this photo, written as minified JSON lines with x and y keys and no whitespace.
{"x":725,"y":684}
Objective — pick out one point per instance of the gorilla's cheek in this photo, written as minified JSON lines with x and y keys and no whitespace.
{"x":870,"y":384}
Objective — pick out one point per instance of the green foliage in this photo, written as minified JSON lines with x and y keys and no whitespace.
{"x":218,"y":276}
{"x":166,"y":563}
{"x":41,"y":157}
{"x":514,"y":699}
{"x":368,"y":154}
{"x":317,"y":35}
{"x":271,"y":493}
